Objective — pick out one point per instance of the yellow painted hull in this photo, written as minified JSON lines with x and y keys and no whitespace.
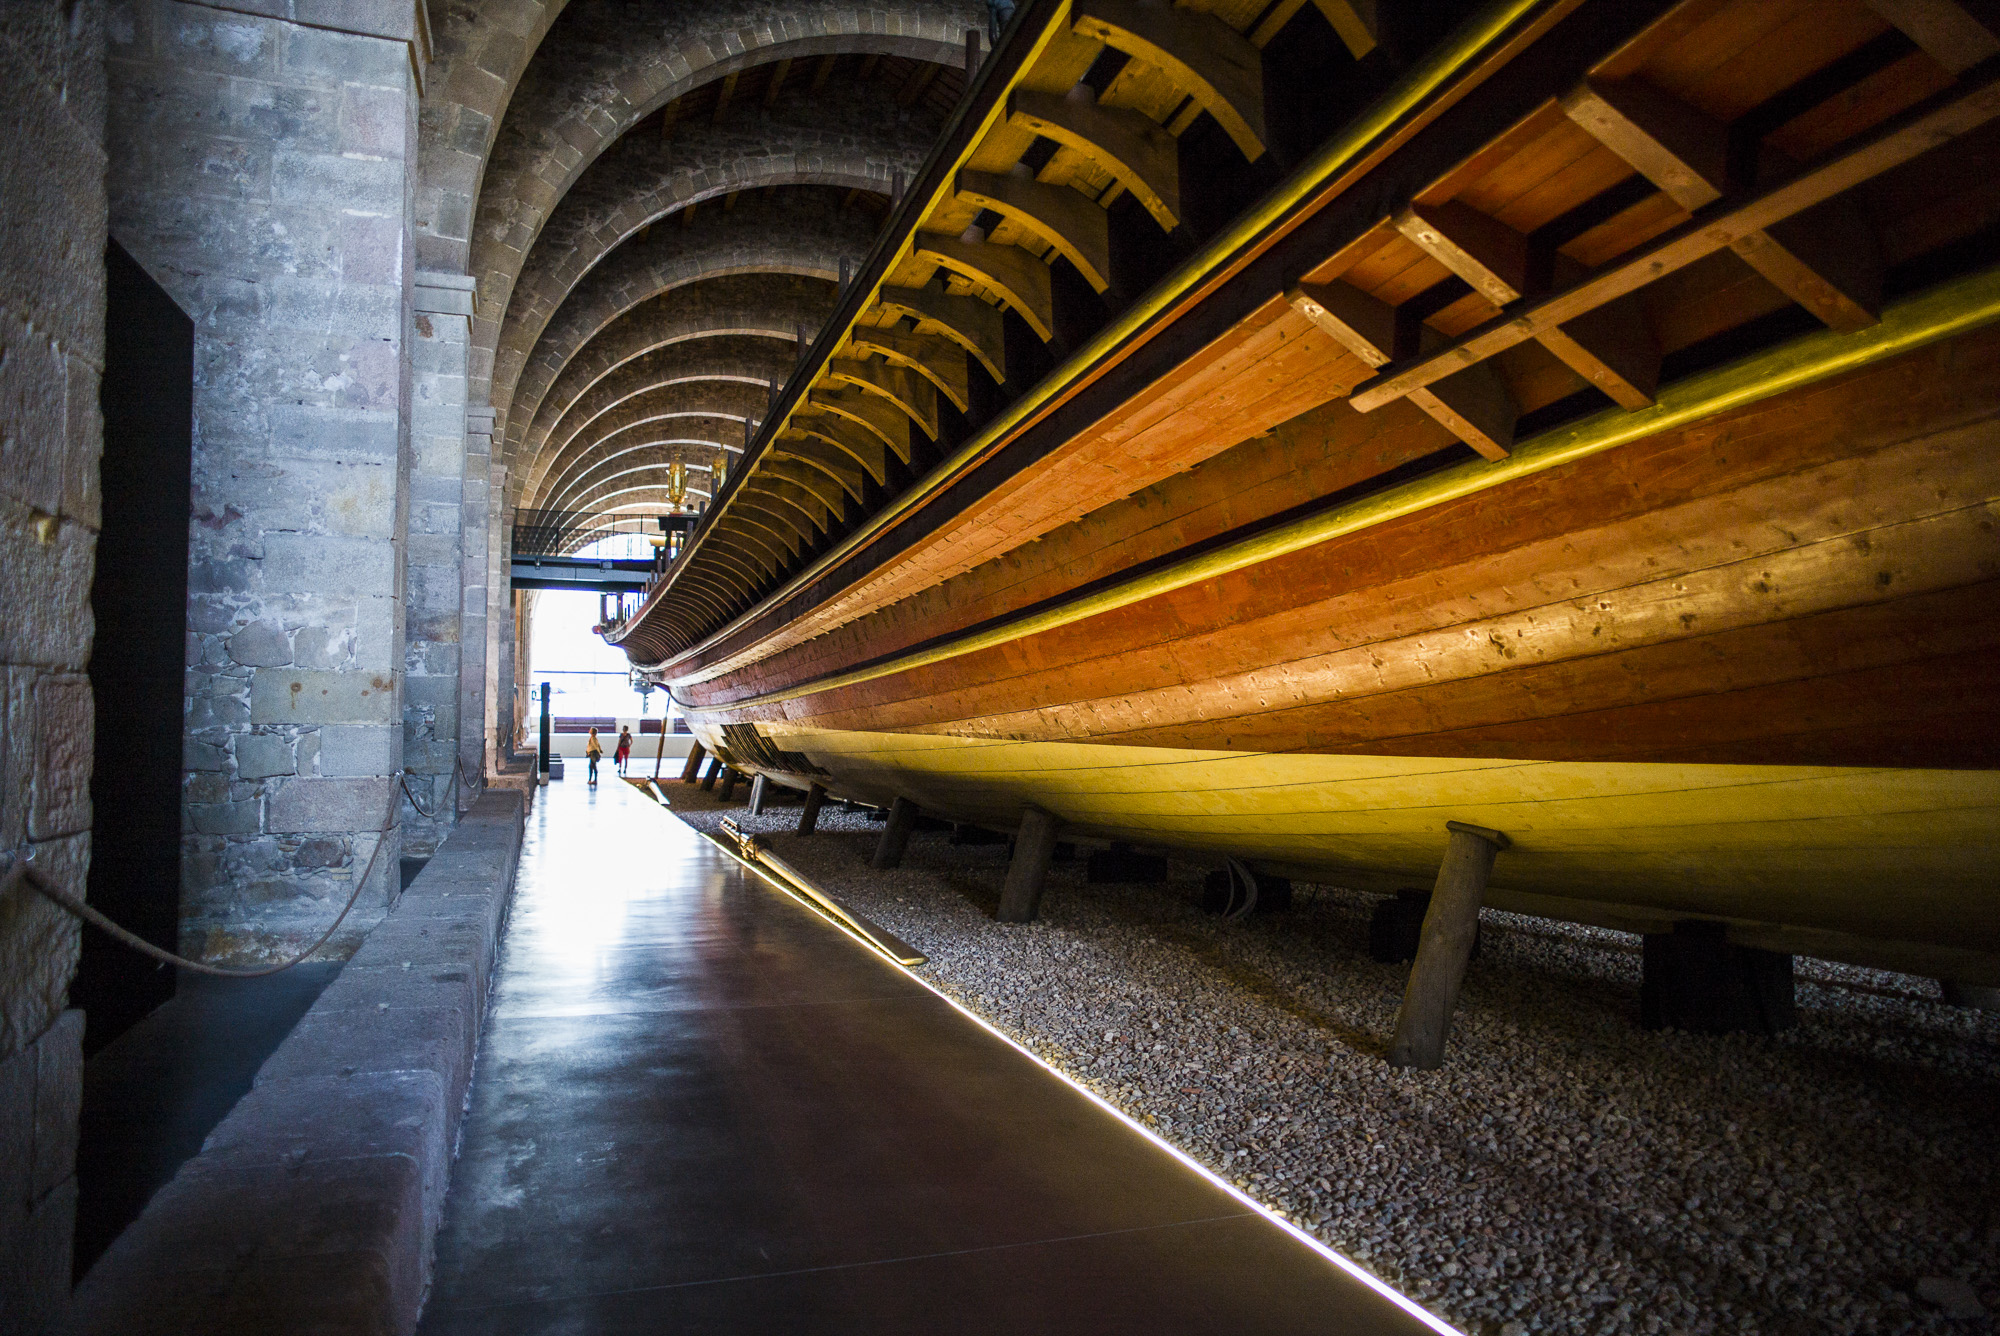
{"x":1880,"y":865}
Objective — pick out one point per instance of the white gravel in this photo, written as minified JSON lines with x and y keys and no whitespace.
{"x":1565,"y":1172}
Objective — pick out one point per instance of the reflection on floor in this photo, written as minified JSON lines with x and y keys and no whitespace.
{"x":700,"y":1108}
{"x":154,"y":1093}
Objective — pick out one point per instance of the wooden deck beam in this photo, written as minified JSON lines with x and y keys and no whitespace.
{"x":937,"y":360}
{"x":1020,"y":280}
{"x":1211,"y":61}
{"x":1065,"y":218}
{"x":873,"y":414}
{"x":901,"y":388}
{"x":1140,"y":155}
{"x":965,"y":320}
{"x":1932,"y":124}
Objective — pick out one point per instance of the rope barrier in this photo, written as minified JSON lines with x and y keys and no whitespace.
{"x":26,"y":874}
{"x":457,"y":778}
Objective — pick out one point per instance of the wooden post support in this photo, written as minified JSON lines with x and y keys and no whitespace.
{"x":809,"y":818}
{"x":692,"y":770}
{"x":714,"y":769}
{"x":757,"y":790}
{"x":730,"y":779}
{"x":895,"y":835}
{"x":1021,"y":897}
{"x":1449,"y":930}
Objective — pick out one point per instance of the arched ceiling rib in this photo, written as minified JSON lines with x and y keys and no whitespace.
{"x":479,"y":51}
{"x":605,"y":66}
{"x":767,"y":306}
{"x":793,"y":230}
{"x":847,"y":135}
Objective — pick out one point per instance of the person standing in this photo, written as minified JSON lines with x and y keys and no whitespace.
{"x":593,"y":751}
{"x":624,"y":751}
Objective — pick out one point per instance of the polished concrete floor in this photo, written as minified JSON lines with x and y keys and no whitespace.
{"x":700,"y":1108}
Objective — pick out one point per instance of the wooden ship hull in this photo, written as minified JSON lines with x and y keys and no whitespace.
{"x":1676,"y":561}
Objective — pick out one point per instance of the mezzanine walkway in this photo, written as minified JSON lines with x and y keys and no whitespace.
{"x":700,"y":1108}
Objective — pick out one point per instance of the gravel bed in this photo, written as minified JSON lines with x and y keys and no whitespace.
{"x":1565,"y":1172}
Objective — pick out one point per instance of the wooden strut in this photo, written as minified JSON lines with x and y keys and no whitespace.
{"x":759,"y":787}
{"x":1028,"y":872}
{"x":693,"y":766}
{"x":1450,"y":929}
{"x":809,"y":818}
{"x":896,"y":835}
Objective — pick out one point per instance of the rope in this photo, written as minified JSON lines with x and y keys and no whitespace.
{"x":25,"y":874}
{"x":457,"y":778}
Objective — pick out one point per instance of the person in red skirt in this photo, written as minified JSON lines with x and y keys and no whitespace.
{"x":624,"y":752}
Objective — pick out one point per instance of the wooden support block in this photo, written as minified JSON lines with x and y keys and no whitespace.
{"x":1679,"y":149}
{"x":1450,"y":929}
{"x":1476,"y":406}
{"x":1958,"y":35}
{"x":809,"y":818}
{"x":1135,"y":151}
{"x":896,"y":835}
{"x":1613,"y":348}
{"x":1483,"y":251}
{"x":1021,"y":896}
{"x":729,"y":779}
{"x":1366,"y":326}
{"x":692,"y":769}
{"x":714,"y":769}
{"x":1216,"y":65}
{"x":1021,"y":280}
{"x":1827,"y":259}
{"x":758,"y":788}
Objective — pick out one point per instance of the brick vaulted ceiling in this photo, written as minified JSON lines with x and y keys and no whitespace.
{"x":655,"y":201}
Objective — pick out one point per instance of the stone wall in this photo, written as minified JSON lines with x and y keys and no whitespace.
{"x":51,"y":359}
{"x":262,"y":172}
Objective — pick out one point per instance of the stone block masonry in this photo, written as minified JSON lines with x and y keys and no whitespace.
{"x":52,"y":286}
{"x":313,"y":1205}
{"x":263,"y":161}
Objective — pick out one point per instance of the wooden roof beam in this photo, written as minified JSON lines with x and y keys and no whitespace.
{"x":901,"y":387}
{"x":1214,"y":63}
{"x":936,"y":360}
{"x":1021,"y":280}
{"x":1068,"y":220}
{"x":1924,"y":128}
{"x":1140,"y":155}
{"x":965,"y":320}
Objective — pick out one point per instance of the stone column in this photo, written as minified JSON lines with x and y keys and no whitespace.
{"x":475,"y":732}
{"x":434,"y":640}
{"x":52,"y":292}
{"x":262,"y":171}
